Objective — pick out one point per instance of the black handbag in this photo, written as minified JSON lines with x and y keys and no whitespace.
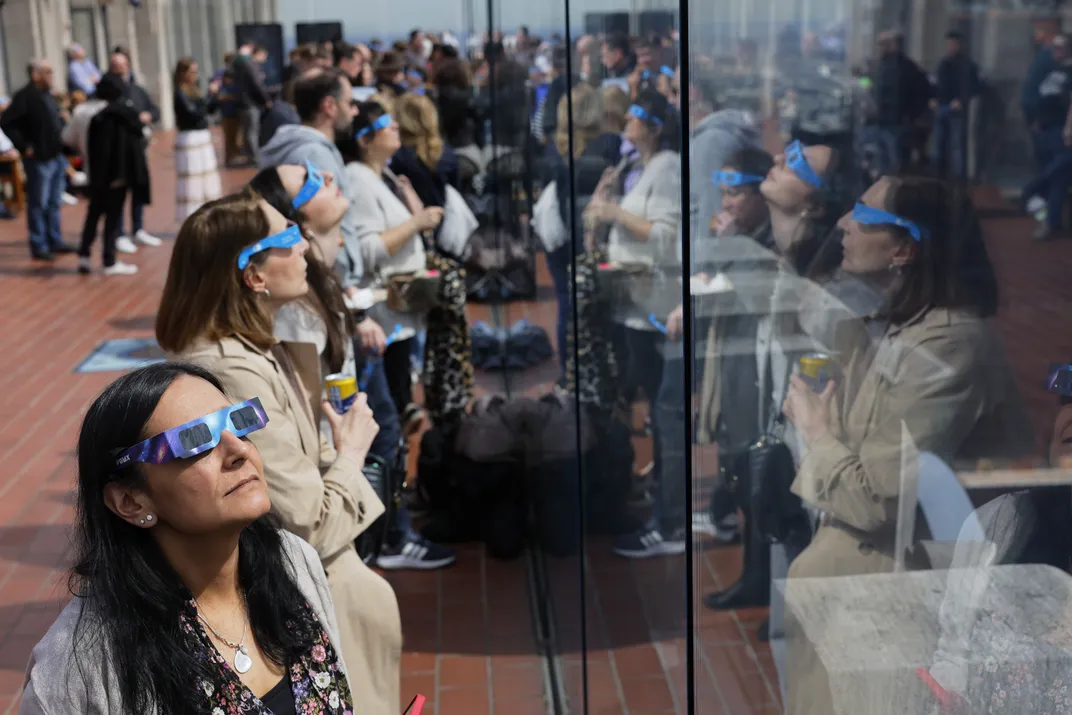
{"x":380,"y":475}
{"x":768,"y":468}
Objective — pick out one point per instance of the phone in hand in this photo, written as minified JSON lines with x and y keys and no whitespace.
{"x":415,"y":706}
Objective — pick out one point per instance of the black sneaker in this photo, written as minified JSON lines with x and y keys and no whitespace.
{"x":48,"y":256}
{"x":414,"y":552}
{"x":648,"y":542}
{"x":64,"y":248}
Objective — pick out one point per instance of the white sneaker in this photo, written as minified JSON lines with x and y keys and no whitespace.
{"x":1035,"y":203}
{"x":123,"y":244}
{"x":79,"y":178}
{"x":84,"y":266}
{"x":147,"y":239}
{"x":120,"y":269}
{"x":69,"y":200}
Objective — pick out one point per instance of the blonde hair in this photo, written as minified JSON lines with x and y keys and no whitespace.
{"x":587,"y":119}
{"x":418,"y":127}
{"x":615,"y":105}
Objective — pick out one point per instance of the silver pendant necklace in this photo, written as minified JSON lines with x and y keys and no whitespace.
{"x":242,"y":662}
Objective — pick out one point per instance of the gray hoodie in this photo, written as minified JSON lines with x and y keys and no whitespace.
{"x":713,"y":141}
{"x":296,"y":144}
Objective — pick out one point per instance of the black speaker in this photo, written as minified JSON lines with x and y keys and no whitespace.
{"x":268,"y":35}
{"x":606,"y":23}
{"x":656,"y":22}
{"x":318,"y":32}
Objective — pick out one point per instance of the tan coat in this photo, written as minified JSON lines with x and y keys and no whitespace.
{"x":323,"y":498}
{"x":943,"y":376}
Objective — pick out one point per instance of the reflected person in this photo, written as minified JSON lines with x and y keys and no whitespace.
{"x":937,"y":374}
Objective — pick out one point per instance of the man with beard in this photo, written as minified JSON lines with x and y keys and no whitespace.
{"x":322,"y":98}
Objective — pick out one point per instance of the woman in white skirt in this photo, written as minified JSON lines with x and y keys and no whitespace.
{"x":195,"y":156}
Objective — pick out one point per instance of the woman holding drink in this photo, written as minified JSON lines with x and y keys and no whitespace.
{"x":936,"y":376}
{"x":236,"y":263}
{"x":320,"y":318}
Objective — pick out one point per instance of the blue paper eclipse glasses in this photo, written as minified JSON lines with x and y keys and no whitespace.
{"x":314,"y":181}
{"x":197,"y":436}
{"x":736,"y":178}
{"x":291,"y":236}
{"x":798,"y":163}
{"x":382,"y":123}
{"x":870,"y":216}
{"x":642,"y":114}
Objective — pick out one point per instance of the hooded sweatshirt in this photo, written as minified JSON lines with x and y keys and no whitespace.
{"x":714,"y":139}
{"x":296,"y":144}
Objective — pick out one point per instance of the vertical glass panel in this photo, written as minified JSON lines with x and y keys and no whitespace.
{"x":880,"y":498}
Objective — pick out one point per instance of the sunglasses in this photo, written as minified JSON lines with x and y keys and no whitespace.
{"x":736,"y":178}
{"x":382,"y":123}
{"x":314,"y":181}
{"x":798,"y":163}
{"x":291,"y":236}
{"x":870,"y":216}
{"x":1060,"y":380}
{"x":642,"y":114}
{"x":198,"y":436}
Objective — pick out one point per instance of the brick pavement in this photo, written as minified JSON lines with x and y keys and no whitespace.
{"x":470,"y":644}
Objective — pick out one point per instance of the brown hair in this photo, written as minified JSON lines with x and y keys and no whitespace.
{"x":182,"y":67}
{"x":204,"y":295}
{"x":587,"y":119}
{"x":951,"y":268}
{"x":418,"y":126}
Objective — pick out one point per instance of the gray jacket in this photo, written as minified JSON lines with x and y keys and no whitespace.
{"x":53,"y":684}
{"x":712,"y":142}
{"x":296,"y":144}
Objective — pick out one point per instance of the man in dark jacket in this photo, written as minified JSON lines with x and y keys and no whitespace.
{"x":958,"y":84}
{"x":117,"y":165}
{"x":33,"y":124}
{"x":1041,"y":67}
{"x":253,"y":98}
{"x":148,"y":114}
{"x":902,"y":93}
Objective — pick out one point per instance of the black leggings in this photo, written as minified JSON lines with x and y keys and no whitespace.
{"x":110,"y":205}
{"x":399,"y":369}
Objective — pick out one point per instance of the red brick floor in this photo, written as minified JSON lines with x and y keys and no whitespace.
{"x":470,"y":643}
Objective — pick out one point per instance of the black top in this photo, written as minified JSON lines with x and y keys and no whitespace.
{"x":32,"y":121}
{"x":429,"y":185}
{"x":191,"y":113}
{"x":280,"y":699}
{"x":958,"y":78}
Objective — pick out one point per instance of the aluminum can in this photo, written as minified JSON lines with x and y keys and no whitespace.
{"x":342,"y":391}
{"x":817,"y":369}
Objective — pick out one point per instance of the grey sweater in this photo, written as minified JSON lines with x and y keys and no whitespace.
{"x":53,"y":681}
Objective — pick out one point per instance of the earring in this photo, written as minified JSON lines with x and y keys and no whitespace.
{"x":141,"y":522}
{"x":267,"y":293}
{"x":149,"y":517}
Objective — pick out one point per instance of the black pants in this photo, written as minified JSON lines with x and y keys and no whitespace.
{"x":110,"y":205}
{"x":397,"y":365}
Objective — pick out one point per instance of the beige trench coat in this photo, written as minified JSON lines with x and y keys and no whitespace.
{"x":943,"y":377}
{"x":323,"y":498}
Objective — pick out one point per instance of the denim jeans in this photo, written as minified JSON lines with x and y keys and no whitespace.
{"x":887,"y":142}
{"x":668,"y":512}
{"x":137,"y":211}
{"x":950,"y":143}
{"x":385,"y":446}
{"x":45,"y":183}
{"x":1053,"y":183}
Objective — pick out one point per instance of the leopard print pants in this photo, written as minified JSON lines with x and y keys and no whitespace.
{"x":448,"y":354}
{"x":592,"y":370}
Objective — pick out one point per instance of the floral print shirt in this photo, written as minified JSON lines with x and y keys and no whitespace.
{"x":317,"y":679}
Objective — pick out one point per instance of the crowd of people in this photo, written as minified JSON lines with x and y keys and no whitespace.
{"x":221,"y":499}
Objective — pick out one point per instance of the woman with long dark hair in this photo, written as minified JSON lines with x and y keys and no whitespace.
{"x":236,"y":263}
{"x":188,"y":596}
{"x":321,"y":319}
